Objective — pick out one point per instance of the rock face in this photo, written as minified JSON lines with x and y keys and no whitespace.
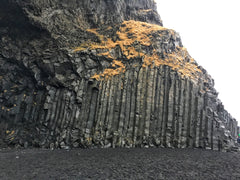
{"x":102,"y":73}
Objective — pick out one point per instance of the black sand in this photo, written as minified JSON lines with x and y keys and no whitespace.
{"x":119,"y":164}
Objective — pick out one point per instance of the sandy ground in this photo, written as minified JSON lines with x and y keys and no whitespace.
{"x":119,"y":164}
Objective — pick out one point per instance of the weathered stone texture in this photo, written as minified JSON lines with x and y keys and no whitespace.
{"x":79,"y":74}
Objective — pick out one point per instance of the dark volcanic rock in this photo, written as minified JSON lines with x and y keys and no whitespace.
{"x":102,"y":73}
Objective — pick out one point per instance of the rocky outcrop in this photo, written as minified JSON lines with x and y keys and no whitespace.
{"x":102,"y":73}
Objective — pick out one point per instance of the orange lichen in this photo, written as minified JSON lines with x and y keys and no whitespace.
{"x":94,"y":31}
{"x":117,"y":68}
{"x":79,"y":49}
{"x":140,"y":33}
{"x":133,"y":36}
{"x":10,"y":133}
{"x":176,"y":60}
{"x":106,"y":54}
{"x":109,"y":28}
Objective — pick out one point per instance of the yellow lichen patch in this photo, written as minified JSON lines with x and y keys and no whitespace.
{"x":151,"y":60}
{"x":130,"y":52}
{"x":136,"y":31}
{"x":79,"y":49}
{"x":10,"y":132}
{"x":129,"y":33}
{"x":96,"y":76}
{"x":133,"y":38}
{"x":89,"y":139}
{"x":177,"y":61}
{"x":109,"y":28}
{"x":106,"y":54}
{"x":83,"y":46}
{"x":117,"y":68}
{"x":94,"y":31}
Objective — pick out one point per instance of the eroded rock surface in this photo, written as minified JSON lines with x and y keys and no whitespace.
{"x":102,"y":73}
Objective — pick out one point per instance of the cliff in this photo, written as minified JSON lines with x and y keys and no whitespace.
{"x":102,"y":73}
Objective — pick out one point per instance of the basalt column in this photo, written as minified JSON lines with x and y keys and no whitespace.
{"x":105,"y":74}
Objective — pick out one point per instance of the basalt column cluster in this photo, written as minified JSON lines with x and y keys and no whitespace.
{"x":103,"y":74}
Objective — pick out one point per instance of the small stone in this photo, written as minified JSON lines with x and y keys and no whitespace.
{"x":75,"y":144}
{"x":52,"y":146}
{"x":26,"y":144}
